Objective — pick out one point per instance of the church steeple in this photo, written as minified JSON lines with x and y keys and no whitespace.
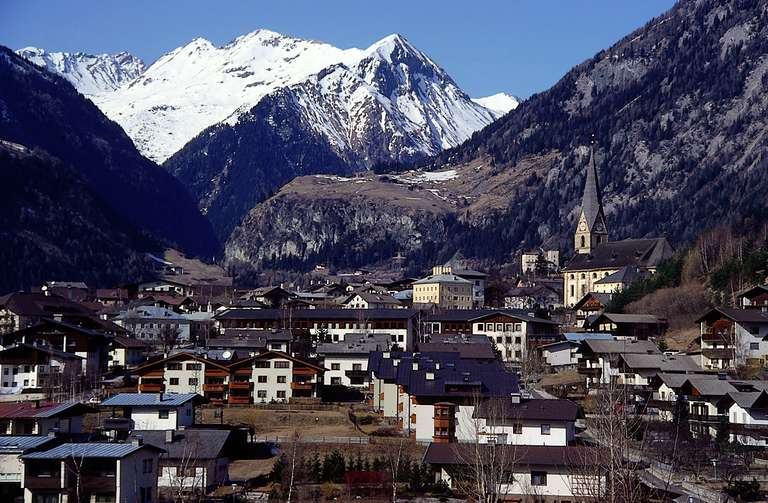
{"x":591,"y":230}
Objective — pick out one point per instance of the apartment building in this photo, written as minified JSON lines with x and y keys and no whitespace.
{"x":153,"y":323}
{"x":11,"y":467}
{"x":600,"y":361}
{"x":267,"y":376}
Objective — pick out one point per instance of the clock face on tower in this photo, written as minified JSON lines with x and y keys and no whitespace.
{"x":582,"y":226}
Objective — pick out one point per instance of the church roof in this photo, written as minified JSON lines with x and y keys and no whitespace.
{"x":617,"y":254}
{"x":592,"y":200}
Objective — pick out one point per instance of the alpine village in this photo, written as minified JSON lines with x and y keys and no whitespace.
{"x":331,"y":275}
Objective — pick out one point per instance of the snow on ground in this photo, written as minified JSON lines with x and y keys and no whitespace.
{"x":426,"y":176}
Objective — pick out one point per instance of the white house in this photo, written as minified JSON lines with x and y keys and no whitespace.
{"x":525,"y":421}
{"x":748,"y":417}
{"x":155,"y":411}
{"x":565,"y":354}
{"x":25,"y":366}
{"x":127,"y":352}
{"x":42,"y":418}
{"x":279,"y":377}
{"x":538,"y":473}
{"x":371,"y":300}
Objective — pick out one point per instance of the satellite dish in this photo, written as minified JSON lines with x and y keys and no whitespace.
{"x":226,"y":355}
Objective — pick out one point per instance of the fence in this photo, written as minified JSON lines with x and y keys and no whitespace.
{"x":277,"y":439}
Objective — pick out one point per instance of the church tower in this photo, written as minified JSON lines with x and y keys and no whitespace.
{"x":591,"y":230}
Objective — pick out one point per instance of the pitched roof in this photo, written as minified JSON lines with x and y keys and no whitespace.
{"x":29,"y":410}
{"x":642,"y":253}
{"x":582,"y":336}
{"x":183,"y":355}
{"x":442,"y":278}
{"x":621,"y":347}
{"x":663,"y":363}
{"x":534,"y":409}
{"x":374,"y":298}
{"x":317,"y":314}
{"x":625,"y":275}
{"x":737,"y":315}
{"x":627,"y":318}
{"x":100,"y":450}
{"x":602,"y":298}
{"x":356,"y":346}
{"x":150,"y":400}
{"x":592,"y":199}
{"x":21,"y":443}
{"x":200,"y":444}
{"x":529,"y":455}
{"x":128,"y":342}
{"x":467,"y":346}
{"x":9,"y":354}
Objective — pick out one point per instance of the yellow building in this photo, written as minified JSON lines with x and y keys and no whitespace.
{"x":444,"y":290}
{"x":600,"y":265}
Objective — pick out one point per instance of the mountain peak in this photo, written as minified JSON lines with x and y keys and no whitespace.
{"x":394,"y":48}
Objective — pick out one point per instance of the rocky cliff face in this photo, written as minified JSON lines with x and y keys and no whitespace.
{"x":677,"y":109}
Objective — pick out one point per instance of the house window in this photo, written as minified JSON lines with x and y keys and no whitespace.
{"x":162,"y":414}
{"x":173,"y":366}
{"x":335,"y":381}
{"x":193,"y":381}
{"x":194,"y":366}
{"x":261,"y":379}
{"x":276,"y":345}
{"x":174,"y":381}
{"x":335,"y":366}
{"x":281,"y":394}
{"x":754,"y":346}
{"x":545,"y":429}
{"x":281,"y":379}
{"x":261,"y":364}
{"x":282,"y":364}
{"x":517,"y":428}
{"x":262,"y":393}
{"x":27,"y":369}
{"x":538,"y":478}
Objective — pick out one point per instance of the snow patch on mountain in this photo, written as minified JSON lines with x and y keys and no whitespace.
{"x":499,"y":104}
{"x":91,"y":74}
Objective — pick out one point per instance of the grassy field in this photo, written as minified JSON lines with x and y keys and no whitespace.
{"x":266,"y":422}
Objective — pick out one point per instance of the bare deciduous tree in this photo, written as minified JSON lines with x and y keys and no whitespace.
{"x":168,"y":337}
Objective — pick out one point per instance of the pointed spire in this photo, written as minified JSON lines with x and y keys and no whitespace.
{"x":592,"y":200}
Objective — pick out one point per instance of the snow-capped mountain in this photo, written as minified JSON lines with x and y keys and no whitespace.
{"x":198,"y":85}
{"x":392,"y":104}
{"x":499,"y":104}
{"x":91,"y":74}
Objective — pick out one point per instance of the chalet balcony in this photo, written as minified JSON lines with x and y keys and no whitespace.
{"x":304,"y":371}
{"x":43,"y":483}
{"x":240,"y":399}
{"x":356,"y":374}
{"x":302,"y":386}
{"x":214,"y":388}
{"x":96,"y":483}
{"x":240,"y":385}
{"x":150,"y":388}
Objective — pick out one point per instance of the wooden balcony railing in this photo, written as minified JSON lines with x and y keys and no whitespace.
{"x":215,"y":387}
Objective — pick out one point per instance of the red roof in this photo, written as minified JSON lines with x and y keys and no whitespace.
{"x":29,"y":410}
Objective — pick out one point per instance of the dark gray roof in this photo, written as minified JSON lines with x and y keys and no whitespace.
{"x":628,"y":318}
{"x":663,"y":363}
{"x":467,"y":346}
{"x":529,"y":455}
{"x":89,"y":450}
{"x":149,"y":400}
{"x":621,"y":347}
{"x":199,"y":444}
{"x":642,"y":253}
{"x":21,"y":443}
{"x":356,"y":345}
{"x":625,"y":275}
{"x":592,"y":199}
{"x":737,"y":315}
{"x":317,"y":314}
{"x":535,"y":409}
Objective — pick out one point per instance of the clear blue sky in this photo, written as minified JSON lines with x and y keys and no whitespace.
{"x":518,"y":46}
